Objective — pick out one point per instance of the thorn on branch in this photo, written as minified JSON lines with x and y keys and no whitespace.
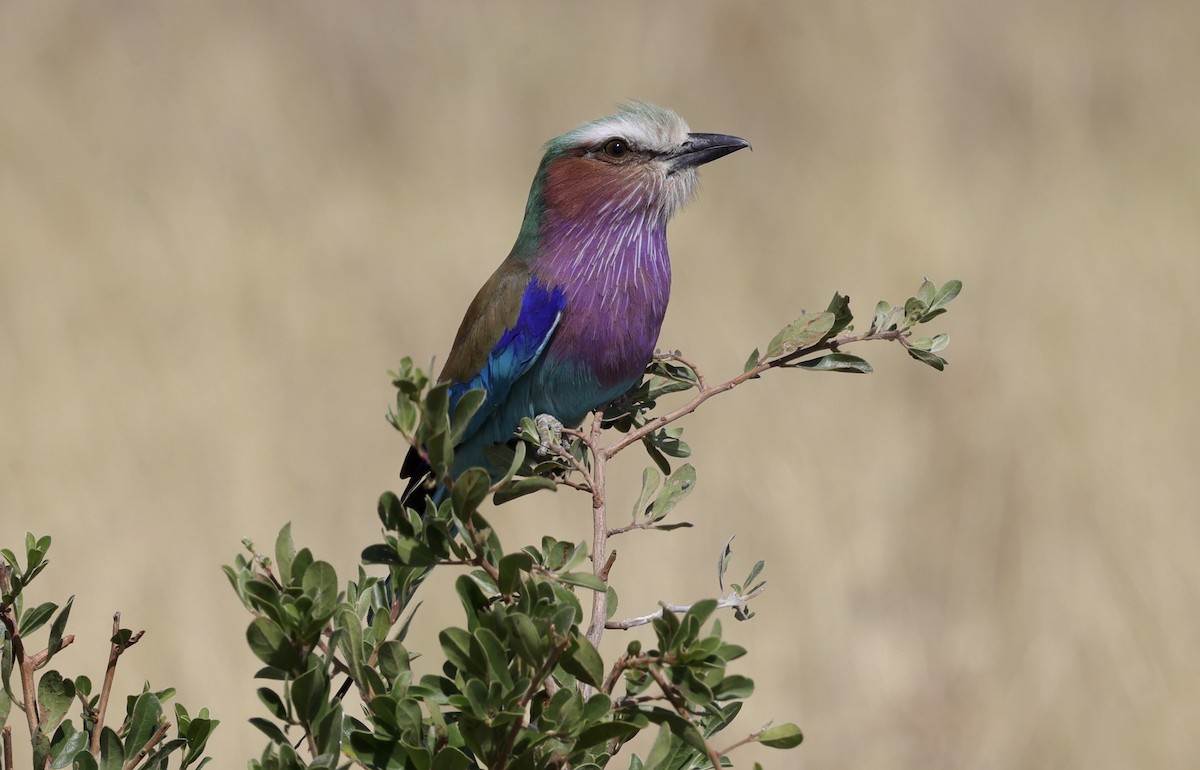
{"x":608,"y":563}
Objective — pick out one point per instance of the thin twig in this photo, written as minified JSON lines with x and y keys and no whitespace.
{"x":733,"y":600}
{"x":556,"y":650}
{"x":479,"y":560}
{"x":6,"y":736}
{"x":677,"y":358}
{"x":622,"y":664}
{"x":672,"y":694}
{"x":27,"y":691}
{"x":629,"y":528}
{"x":40,"y":659}
{"x":705,"y":393}
{"x":114,"y":652}
{"x":263,"y":565}
{"x":600,"y":556}
{"x":751,"y":738}
{"x":580,"y":486}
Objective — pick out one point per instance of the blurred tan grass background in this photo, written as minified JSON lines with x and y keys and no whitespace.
{"x":221,"y":223}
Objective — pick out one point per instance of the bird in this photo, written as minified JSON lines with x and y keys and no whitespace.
{"x":570,"y":319}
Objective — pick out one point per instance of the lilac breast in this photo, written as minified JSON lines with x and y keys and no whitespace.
{"x":616,"y":275}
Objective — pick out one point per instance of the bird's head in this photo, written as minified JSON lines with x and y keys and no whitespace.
{"x":642,"y":161}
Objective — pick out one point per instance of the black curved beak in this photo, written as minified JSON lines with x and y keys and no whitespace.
{"x":702,"y":148}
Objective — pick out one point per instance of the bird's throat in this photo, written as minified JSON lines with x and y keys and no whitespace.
{"x":616,"y":274}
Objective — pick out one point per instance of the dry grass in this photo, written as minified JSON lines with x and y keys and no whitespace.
{"x":222,"y":223}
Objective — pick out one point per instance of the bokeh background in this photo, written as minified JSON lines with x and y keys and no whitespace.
{"x":221,"y":223}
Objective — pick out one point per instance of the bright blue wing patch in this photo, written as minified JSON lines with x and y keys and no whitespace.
{"x":515,"y":352}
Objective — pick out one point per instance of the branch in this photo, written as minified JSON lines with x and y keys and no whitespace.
{"x":672,"y":694}
{"x":732,"y":600}
{"x":40,"y":659}
{"x":114,"y":652}
{"x":705,"y":392}
{"x":751,"y":738}
{"x":26,"y":667}
{"x":543,"y":674}
{"x":601,"y":560}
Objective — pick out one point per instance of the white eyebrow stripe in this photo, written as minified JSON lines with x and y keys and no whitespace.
{"x":646,"y":127}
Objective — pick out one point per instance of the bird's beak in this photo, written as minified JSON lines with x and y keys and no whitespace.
{"x":702,"y":148}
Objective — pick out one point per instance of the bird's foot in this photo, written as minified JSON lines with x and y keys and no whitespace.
{"x":549,"y":430}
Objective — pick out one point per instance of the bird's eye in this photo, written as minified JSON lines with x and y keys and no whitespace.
{"x":616,"y":148}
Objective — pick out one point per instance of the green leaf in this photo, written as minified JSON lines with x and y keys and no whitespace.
{"x":677,"y":486}
{"x":66,"y":744}
{"x":723,"y":562}
{"x":404,"y":418}
{"x":883,"y":314}
{"x":470,"y":489}
{"x":112,"y":753}
{"x":604,"y":732}
{"x":839,"y":306}
{"x":384,"y":554}
{"x":523,"y":487}
{"x":836,"y":362}
{"x":55,"y":695}
{"x":58,"y":628}
{"x":273,"y":702}
{"x":526,"y":641}
{"x":651,"y":478}
{"x":925,"y":357}
{"x":752,"y":361}
{"x":84,"y":760}
{"x":781,"y":736}
{"x":511,"y":566}
{"x":519,"y":450}
{"x":675,"y":525}
{"x":582,"y":661}
{"x":926,"y":292}
{"x":456,"y":644}
{"x":198,"y":731}
{"x":320,"y":583}
{"x":450,"y":758}
{"x":269,"y":728}
{"x":392,"y":659}
{"x":698,"y":613}
{"x":939,"y":343}
{"x":468,"y":404}
{"x":582,"y":579}
{"x":35,"y":617}
{"x":147,"y":715}
{"x":285,"y":554}
{"x":661,"y":750}
{"x":310,"y":690}
{"x":655,"y":455}
{"x":734,"y":687}
{"x":808,"y":329}
{"x":754,"y":572}
{"x":271,"y":645}
{"x":946,"y":294}
{"x":497,"y":657}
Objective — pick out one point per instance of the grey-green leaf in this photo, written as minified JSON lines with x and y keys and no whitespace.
{"x":677,"y":486}
{"x":806,"y":330}
{"x":783,"y":736}
{"x":837,"y":362}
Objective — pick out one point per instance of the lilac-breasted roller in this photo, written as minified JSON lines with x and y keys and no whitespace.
{"x":570,"y":319}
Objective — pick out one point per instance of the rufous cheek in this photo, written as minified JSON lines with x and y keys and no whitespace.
{"x":579,"y":187}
